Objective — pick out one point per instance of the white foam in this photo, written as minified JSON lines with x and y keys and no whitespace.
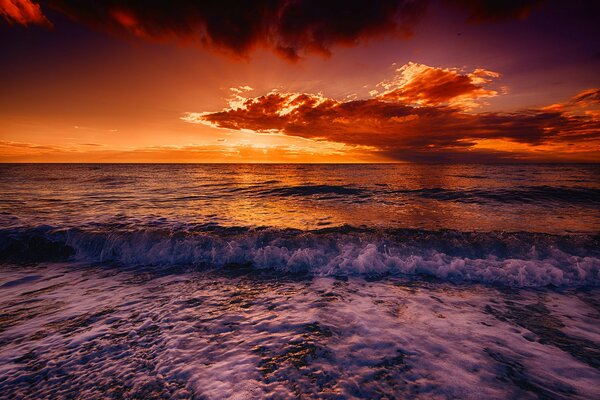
{"x":345,"y":255}
{"x":225,"y":338}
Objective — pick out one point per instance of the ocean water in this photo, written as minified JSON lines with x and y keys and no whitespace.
{"x":310,"y":281}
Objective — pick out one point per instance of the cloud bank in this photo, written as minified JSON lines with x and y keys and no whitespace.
{"x":423,"y":114}
{"x":290,"y":28}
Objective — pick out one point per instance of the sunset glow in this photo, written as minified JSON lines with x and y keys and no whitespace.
{"x":300,"y":199}
{"x":403,"y":81}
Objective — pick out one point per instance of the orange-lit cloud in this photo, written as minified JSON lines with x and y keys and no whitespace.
{"x":586,"y":102}
{"x":417,"y":119}
{"x":587,"y":98}
{"x":23,"y":12}
{"x":419,"y":84}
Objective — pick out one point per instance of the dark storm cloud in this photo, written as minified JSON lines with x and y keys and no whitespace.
{"x":289,"y":27}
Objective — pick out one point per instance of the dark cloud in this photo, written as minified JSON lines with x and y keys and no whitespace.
{"x":405,"y":131}
{"x":289,"y":27}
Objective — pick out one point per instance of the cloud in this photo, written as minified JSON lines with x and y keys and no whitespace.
{"x":589,"y":97}
{"x":414,"y":119}
{"x":419,"y":84}
{"x":22,"y":12}
{"x":6,"y":144}
{"x":241,"y":89}
{"x":586,"y":102}
{"x":290,"y":28}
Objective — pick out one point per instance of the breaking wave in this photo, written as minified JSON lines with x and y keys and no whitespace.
{"x":518,"y":259}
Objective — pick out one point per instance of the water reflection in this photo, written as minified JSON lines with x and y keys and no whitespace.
{"x":542,"y":198}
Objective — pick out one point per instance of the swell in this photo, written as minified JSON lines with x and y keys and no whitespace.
{"x":513,"y":195}
{"x":519,"y":259}
{"x":311,"y":190}
{"x":543,"y":195}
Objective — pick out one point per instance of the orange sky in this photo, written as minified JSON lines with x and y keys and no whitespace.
{"x":450,"y":82}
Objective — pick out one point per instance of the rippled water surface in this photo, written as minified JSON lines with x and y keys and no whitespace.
{"x":300,"y":281}
{"x":539,"y":198}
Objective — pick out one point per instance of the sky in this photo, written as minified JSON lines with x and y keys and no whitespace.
{"x":299,"y":81}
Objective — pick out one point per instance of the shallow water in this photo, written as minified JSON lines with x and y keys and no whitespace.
{"x":98,"y":332}
{"x":300,"y":281}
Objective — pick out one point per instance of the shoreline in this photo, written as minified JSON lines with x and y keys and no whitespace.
{"x":98,"y":331}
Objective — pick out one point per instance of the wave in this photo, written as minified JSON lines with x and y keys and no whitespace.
{"x":537,"y":195}
{"x":543,"y":195}
{"x":513,"y":195}
{"x":519,"y":259}
{"x":311,"y":190}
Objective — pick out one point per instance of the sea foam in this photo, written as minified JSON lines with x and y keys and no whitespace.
{"x":514,"y":259}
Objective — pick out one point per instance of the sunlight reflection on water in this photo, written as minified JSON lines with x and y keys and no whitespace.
{"x":541,"y":198}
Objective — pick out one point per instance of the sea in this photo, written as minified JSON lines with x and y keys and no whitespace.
{"x":311,"y":281}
